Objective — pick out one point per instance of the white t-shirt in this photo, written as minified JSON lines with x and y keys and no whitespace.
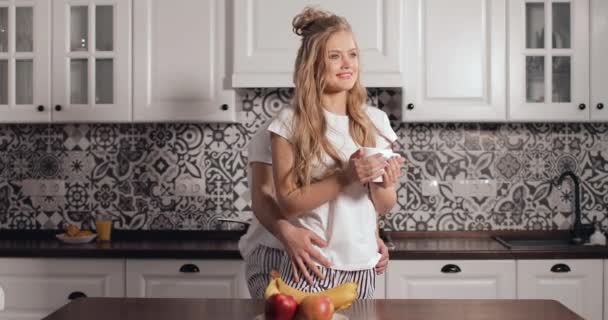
{"x":347,"y":223}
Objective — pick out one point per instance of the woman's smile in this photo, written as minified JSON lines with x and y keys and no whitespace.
{"x":345,"y":75}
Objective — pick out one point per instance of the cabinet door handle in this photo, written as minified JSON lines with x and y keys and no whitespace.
{"x":40,"y":108}
{"x":450,"y":268}
{"x":560,"y":268}
{"x":600,"y":106}
{"x":410,"y":106}
{"x":582,"y":106}
{"x":76,"y":295}
{"x":58,"y":107}
{"x":189,"y":268}
{"x":224,"y":107}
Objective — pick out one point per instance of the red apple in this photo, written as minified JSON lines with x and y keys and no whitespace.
{"x":318,"y":307}
{"x":280,"y":307}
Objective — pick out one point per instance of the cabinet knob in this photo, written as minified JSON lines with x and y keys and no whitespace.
{"x":560,"y":268}
{"x":450,"y":268}
{"x":224,"y":107}
{"x":76,"y":295}
{"x":40,"y":108}
{"x":582,"y":106}
{"x":600,"y":106}
{"x":58,"y":107}
{"x":189,"y":268}
{"x":410,"y":106}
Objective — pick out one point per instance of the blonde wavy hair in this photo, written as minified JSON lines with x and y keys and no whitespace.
{"x":309,"y":141}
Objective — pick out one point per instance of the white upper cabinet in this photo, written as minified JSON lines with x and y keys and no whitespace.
{"x":577,"y":284}
{"x":455,"y":60}
{"x":549,"y":60}
{"x":599,"y":62}
{"x":91,"y":60}
{"x":25,"y":68}
{"x":460,"y":279}
{"x":265,"y":46}
{"x":181,"y":52}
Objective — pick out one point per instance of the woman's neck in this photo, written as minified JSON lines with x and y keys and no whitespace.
{"x":335,"y":102}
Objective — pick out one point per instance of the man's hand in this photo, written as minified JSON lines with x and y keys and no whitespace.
{"x":298,"y":243}
{"x":383,"y":263}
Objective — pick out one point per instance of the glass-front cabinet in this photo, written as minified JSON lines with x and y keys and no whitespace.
{"x":89,"y":47}
{"x":599,"y":63}
{"x":24,"y":60}
{"x":91,"y":60}
{"x":549,"y":60}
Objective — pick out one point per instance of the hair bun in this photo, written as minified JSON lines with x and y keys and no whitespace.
{"x":306,"y":18}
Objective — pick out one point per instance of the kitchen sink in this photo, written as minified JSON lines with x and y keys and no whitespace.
{"x":522,"y":242}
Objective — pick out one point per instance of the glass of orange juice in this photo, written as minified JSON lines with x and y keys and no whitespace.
{"x":103,"y":223}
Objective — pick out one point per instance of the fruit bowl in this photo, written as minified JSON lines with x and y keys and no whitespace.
{"x":336,"y":316}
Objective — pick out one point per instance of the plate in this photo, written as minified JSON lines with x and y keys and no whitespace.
{"x":337,"y":316}
{"x":75,"y":240}
{"x":241,"y":221}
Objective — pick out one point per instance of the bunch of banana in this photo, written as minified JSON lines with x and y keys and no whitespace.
{"x":341,"y":296}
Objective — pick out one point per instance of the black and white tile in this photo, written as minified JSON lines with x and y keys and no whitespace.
{"x":130,"y":171}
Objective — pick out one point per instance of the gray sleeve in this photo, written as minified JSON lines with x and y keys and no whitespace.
{"x":282,"y":124}
{"x":259,"y":149}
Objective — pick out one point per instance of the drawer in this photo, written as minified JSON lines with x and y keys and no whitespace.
{"x":186,"y":279}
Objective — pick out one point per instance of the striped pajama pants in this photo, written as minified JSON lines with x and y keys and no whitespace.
{"x":264,"y":259}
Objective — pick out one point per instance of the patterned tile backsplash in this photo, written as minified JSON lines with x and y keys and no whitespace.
{"x":185,"y":176}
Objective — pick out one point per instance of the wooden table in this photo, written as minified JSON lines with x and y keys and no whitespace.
{"x":243,"y":309}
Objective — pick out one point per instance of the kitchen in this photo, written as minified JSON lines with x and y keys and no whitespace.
{"x":488,"y":108}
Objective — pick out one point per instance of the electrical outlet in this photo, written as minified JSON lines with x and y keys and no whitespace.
{"x":485,"y":188}
{"x":190,"y":187}
{"x":460,"y":188}
{"x":30,"y":187}
{"x":54,"y":187}
{"x":39,"y":187}
{"x":1,"y":299}
{"x":430,"y":187}
{"x":474,"y":188}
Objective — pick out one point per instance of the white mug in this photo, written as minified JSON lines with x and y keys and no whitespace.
{"x":386,"y":153}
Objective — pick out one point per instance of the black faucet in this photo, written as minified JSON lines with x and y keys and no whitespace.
{"x":579,"y":235}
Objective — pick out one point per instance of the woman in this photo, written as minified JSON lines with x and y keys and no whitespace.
{"x":322,"y":180}
{"x":270,"y":229}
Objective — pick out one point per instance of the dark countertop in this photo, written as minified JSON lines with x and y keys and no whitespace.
{"x":481,"y":245}
{"x":237,"y":309}
{"x":125,"y":244}
{"x":223,"y":245}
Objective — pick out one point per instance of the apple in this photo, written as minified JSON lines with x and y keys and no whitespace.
{"x":280,"y":307}
{"x":317,"y":307}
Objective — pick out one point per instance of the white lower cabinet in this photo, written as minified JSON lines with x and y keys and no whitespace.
{"x":458,"y":279}
{"x":577,"y":284}
{"x":380,"y":292}
{"x":165,"y":278}
{"x":33,"y":288}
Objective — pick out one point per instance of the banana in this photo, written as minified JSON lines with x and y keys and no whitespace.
{"x":271,"y":289}
{"x":341,"y":296}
